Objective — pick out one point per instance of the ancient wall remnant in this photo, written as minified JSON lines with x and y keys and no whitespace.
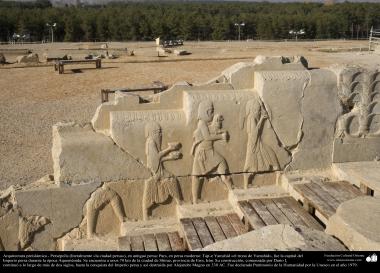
{"x":357,"y":135}
{"x":148,"y":159}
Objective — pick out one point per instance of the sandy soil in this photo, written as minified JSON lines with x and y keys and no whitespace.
{"x":32,"y":99}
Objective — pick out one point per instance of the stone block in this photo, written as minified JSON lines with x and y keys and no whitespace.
{"x":357,"y":224}
{"x":81,"y":155}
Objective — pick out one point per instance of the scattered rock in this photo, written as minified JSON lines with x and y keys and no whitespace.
{"x":31,"y":58}
{"x":2,"y":59}
{"x":180,"y":52}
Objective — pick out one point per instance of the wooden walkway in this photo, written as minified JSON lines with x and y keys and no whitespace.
{"x":259,"y":213}
{"x":200,"y":232}
{"x":325,"y":197}
{"x":152,"y":242}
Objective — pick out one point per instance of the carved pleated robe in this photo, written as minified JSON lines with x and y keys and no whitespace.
{"x":259,"y":156}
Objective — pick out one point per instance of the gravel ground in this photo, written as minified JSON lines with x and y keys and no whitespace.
{"x":32,"y":99}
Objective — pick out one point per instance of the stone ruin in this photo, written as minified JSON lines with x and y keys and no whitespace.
{"x":30,"y":58}
{"x":216,"y":166}
{"x":2,"y":59}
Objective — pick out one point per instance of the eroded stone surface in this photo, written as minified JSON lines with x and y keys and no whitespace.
{"x":94,"y":244}
{"x":61,"y":206}
{"x":80,"y":155}
{"x":320,"y":110}
{"x":357,"y":224}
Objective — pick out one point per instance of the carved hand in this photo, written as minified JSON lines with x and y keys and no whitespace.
{"x":174,"y":146}
{"x":225,"y":136}
{"x":175,"y":155}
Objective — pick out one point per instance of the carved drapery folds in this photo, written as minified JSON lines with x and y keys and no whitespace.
{"x":99,"y":199}
{"x":260,"y":157}
{"x":206,"y":159}
{"x":162,"y":184}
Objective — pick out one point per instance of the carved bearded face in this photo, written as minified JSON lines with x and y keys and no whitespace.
{"x":154,"y":131}
{"x":253,"y":107}
{"x":206,"y":111}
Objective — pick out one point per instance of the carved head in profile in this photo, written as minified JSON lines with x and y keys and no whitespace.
{"x":153,"y":130}
{"x":206,"y":111}
{"x":253,"y":107}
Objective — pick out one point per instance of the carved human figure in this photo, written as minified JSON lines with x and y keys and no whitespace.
{"x":99,"y":199}
{"x":162,"y":184}
{"x":259,"y":156}
{"x":206,"y":159}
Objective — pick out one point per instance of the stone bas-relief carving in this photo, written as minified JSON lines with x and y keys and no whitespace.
{"x":28,"y":226}
{"x":357,"y":136}
{"x":17,"y":232}
{"x":207,"y":160}
{"x":141,"y":160}
{"x":360,"y":95}
{"x":99,"y":199}
{"x":259,"y":156}
{"x":162,"y":184}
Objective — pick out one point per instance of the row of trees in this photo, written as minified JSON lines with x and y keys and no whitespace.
{"x":189,"y":21}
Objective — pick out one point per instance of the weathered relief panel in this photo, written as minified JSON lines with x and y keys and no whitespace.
{"x":357,"y":135}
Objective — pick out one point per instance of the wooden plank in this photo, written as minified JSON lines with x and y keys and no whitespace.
{"x":351,"y":188}
{"x":176,"y":242}
{"x":338,"y":191}
{"x":190,"y":233}
{"x":137,"y":243}
{"x":226,"y":226}
{"x":276,"y":212}
{"x":324,"y":195}
{"x":263,"y":212}
{"x":163,"y":242}
{"x":236,"y":223}
{"x":77,"y":61}
{"x":251,"y":215}
{"x":150,"y":242}
{"x":124,"y":243}
{"x":203,"y":232}
{"x":289,"y":212}
{"x":214,"y":228}
{"x":306,"y":217}
{"x":319,"y":203}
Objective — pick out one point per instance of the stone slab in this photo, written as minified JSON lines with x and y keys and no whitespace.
{"x":367,"y":173}
{"x":95,"y":244}
{"x":282,"y":93}
{"x":356,"y":149}
{"x":320,"y":110}
{"x":357,"y":224}
{"x":81,"y":155}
